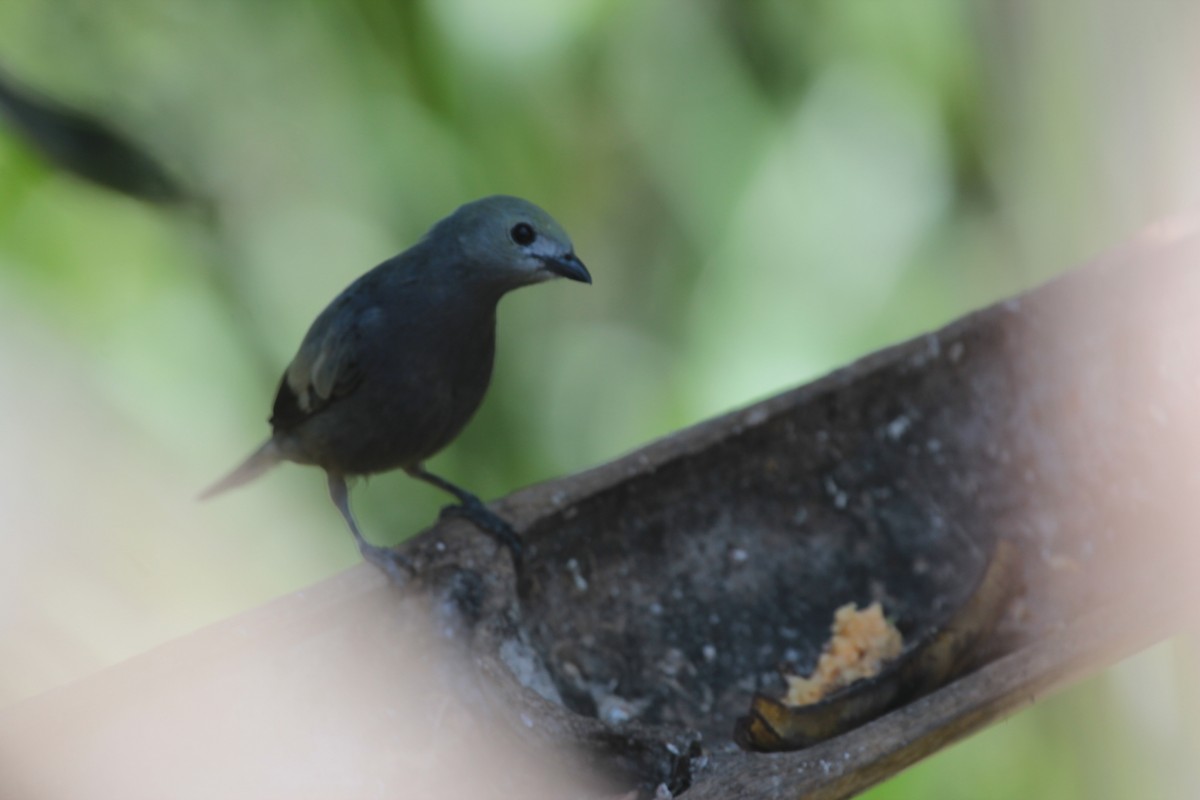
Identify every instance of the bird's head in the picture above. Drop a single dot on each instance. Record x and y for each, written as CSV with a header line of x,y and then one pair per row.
x,y
510,241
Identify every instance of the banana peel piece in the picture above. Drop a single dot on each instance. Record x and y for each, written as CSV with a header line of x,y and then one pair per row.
x,y
773,726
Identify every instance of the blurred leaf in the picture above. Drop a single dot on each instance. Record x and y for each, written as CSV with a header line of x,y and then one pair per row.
x,y
86,147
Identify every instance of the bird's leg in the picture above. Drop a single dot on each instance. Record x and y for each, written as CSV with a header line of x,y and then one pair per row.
x,y
472,509
394,565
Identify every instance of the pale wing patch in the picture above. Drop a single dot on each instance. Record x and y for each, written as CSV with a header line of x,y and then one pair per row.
x,y
326,368
328,358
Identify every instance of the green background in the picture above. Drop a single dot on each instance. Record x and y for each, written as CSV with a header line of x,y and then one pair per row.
x,y
763,190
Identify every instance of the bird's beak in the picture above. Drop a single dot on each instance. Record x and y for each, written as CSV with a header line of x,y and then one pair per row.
x,y
568,266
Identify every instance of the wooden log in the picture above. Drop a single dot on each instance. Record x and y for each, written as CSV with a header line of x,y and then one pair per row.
x,y
664,589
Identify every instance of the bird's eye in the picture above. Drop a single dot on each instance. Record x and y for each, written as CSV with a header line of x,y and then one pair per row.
x,y
523,233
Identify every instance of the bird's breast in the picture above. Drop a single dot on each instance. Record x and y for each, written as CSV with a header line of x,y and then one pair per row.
x,y
415,398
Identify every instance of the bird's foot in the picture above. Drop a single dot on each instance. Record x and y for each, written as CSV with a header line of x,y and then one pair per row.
x,y
398,568
490,523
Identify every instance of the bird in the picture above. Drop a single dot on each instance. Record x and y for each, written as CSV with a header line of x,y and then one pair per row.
x,y
391,371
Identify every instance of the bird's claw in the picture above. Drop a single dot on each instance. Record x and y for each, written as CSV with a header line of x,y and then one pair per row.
x,y
398,568
486,520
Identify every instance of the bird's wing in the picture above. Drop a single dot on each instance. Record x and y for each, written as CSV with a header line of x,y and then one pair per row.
x,y
328,364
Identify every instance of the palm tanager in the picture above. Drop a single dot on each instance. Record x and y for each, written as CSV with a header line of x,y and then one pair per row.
x,y
392,370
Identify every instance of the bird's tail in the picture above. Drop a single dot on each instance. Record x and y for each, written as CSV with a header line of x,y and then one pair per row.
x,y
259,462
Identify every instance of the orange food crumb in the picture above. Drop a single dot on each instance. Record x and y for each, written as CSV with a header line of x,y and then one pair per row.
x,y
862,642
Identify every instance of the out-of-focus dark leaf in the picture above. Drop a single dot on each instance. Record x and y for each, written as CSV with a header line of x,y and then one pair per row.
x,y
85,146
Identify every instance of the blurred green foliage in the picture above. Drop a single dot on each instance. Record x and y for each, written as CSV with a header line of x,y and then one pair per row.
x,y
764,190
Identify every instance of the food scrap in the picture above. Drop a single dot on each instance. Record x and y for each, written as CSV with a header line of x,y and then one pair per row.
x,y
862,642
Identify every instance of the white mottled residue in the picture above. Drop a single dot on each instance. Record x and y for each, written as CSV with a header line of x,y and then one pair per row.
x,y
898,427
580,582
756,416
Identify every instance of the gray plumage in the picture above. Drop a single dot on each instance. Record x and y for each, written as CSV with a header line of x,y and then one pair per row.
x,y
394,368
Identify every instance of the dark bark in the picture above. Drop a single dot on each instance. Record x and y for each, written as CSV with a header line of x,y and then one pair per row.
x,y
663,590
